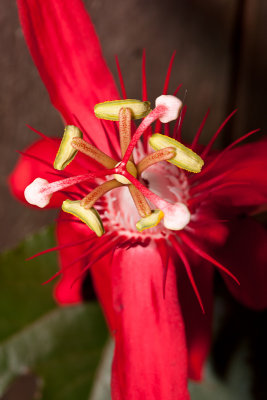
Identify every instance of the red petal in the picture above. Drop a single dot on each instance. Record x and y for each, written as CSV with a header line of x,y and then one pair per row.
x,y
67,53
150,360
245,252
197,325
246,165
38,162
65,292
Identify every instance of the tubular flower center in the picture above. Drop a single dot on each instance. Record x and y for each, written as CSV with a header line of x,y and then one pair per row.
x,y
138,178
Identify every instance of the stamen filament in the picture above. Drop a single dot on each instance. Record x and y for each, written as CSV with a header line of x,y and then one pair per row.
x,y
89,200
92,152
153,158
125,129
158,112
140,202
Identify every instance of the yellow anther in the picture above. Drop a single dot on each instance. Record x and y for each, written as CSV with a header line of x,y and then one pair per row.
x,y
150,221
89,216
131,169
185,158
110,109
66,152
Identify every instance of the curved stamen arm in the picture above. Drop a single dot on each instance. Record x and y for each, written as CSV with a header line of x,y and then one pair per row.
x,y
89,200
158,112
139,201
125,117
92,152
160,155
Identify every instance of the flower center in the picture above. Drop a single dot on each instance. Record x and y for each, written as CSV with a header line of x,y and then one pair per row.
x,y
168,184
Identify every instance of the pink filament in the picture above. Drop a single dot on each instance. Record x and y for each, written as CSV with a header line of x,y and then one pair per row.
x,y
166,85
188,270
123,91
199,131
64,183
144,86
216,134
222,153
206,256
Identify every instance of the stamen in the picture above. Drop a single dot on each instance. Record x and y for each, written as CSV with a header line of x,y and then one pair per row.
x,y
166,110
185,158
92,152
125,128
89,200
66,152
140,201
110,109
90,217
153,158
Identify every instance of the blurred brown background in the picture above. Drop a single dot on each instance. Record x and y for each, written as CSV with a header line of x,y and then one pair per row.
x,y
221,61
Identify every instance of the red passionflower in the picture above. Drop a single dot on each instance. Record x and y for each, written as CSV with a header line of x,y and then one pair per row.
x,y
160,339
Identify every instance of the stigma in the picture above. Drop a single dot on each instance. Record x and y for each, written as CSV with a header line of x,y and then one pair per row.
x,y
127,172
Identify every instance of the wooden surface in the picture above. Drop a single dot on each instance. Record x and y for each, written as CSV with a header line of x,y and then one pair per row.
x,y
208,63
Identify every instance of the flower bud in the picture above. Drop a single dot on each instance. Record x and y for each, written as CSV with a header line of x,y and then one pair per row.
x,y
150,221
110,109
89,216
185,158
66,152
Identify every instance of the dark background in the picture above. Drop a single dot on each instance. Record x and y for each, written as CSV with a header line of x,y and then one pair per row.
x,y
221,61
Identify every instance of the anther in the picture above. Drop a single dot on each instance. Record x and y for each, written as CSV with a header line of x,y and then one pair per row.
x,y
150,221
92,152
185,158
90,217
110,109
66,152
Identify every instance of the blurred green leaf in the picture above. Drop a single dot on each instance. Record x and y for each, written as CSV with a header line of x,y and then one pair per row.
x,y
60,345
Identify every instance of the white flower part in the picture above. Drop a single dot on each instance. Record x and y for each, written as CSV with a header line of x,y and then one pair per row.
x,y
176,217
34,195
173,104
